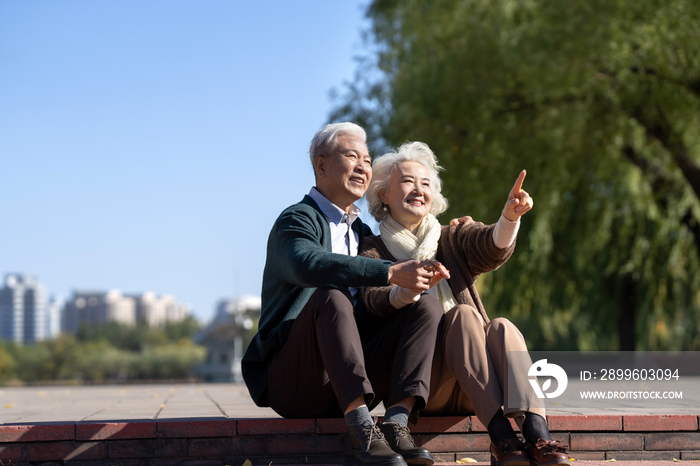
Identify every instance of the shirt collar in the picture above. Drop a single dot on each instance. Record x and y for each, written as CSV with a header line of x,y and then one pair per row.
x,y
334,213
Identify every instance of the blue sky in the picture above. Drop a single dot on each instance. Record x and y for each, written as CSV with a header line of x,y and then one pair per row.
x,y
149,146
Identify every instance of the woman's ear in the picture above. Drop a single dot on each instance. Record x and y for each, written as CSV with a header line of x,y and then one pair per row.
x,y
382,196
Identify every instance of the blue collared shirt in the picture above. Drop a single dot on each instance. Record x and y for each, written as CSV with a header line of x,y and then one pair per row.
x,y
340,224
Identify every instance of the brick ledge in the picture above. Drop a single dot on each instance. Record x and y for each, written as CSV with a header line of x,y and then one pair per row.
x,y
205,441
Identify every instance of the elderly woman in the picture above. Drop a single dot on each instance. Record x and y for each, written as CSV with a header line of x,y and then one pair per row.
x,y
470,367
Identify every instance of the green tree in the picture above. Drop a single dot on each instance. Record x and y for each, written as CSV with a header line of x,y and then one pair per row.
x,y
600,101
140,336
186,328
109,352
7,362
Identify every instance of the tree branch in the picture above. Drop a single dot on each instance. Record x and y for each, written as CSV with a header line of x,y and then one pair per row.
x,y
661,182
692,85
660,128
664,188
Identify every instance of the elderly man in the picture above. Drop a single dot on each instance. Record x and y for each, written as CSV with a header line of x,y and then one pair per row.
x,y
307,359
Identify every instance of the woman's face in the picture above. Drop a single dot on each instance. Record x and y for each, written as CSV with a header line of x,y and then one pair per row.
x,y
409,195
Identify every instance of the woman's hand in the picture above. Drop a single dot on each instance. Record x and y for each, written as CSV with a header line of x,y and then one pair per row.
x,y
519,201
439,272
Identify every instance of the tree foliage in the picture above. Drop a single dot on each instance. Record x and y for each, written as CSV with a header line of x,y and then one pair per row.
x,y
112,352
140,336
600,101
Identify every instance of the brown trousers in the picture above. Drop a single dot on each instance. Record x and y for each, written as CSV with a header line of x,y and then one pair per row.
x,y
323,365
470,369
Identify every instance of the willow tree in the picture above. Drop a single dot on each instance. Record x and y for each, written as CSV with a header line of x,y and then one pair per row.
x,y
600,102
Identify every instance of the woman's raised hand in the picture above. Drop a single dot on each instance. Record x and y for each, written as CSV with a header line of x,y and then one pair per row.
x,y
519,201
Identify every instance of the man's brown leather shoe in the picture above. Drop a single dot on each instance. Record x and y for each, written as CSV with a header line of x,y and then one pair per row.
x,y
548,452
368,446
399,439
509,452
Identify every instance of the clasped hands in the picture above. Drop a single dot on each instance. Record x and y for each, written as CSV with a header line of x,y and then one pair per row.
x,y
417,275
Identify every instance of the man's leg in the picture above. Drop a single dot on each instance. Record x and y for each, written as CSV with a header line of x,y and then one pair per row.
x,y
399,361
320,369
399,357
320,372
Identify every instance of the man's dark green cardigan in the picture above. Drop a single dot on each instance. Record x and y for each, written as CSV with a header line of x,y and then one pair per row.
x,y
299,260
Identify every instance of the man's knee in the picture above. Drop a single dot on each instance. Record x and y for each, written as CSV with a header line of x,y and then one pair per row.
x,y
429,305
332,300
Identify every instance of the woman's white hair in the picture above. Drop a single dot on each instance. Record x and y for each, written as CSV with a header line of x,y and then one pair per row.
x,y
383,170
325,141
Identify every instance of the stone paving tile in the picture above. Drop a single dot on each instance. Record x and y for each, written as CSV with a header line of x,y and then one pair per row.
x,y
114,402
120,416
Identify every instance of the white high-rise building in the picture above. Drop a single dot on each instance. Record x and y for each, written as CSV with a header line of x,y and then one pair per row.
x,y
97,307
54,315
22,309
157,310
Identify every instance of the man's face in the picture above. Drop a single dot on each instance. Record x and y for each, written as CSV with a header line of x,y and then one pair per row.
x,y
344,175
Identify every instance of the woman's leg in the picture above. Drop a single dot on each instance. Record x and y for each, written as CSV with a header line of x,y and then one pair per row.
x,y
502,337
467,357
468,379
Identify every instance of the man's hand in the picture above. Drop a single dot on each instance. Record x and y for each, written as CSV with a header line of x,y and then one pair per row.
x,y
419,276
519,201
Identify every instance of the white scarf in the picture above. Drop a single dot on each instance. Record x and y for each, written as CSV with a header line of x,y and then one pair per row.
x,y
403,245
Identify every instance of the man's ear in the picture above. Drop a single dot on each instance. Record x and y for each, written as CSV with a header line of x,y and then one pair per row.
x,y
319,167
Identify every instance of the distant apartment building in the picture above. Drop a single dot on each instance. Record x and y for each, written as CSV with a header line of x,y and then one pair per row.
x,y
22,309
93,308
54,316
157,310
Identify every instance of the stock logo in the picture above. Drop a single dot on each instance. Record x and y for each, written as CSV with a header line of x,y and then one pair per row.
x,y
543,369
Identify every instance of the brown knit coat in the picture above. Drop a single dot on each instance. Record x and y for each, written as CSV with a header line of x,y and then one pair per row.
x,y
467,250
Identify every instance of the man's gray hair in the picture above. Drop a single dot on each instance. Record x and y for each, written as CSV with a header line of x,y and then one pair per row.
x,y
326,140
383,170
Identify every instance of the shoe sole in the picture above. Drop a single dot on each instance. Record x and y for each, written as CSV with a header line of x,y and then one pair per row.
x,y
512,463
351,461
562,461
420,460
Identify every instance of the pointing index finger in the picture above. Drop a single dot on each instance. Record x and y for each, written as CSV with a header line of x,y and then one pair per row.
x,y
519,183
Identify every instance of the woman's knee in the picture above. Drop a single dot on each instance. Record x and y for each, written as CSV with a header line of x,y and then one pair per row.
x,y
502,328
500,325
467,315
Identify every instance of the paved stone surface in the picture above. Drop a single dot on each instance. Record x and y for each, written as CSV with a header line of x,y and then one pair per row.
x,y
176,401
